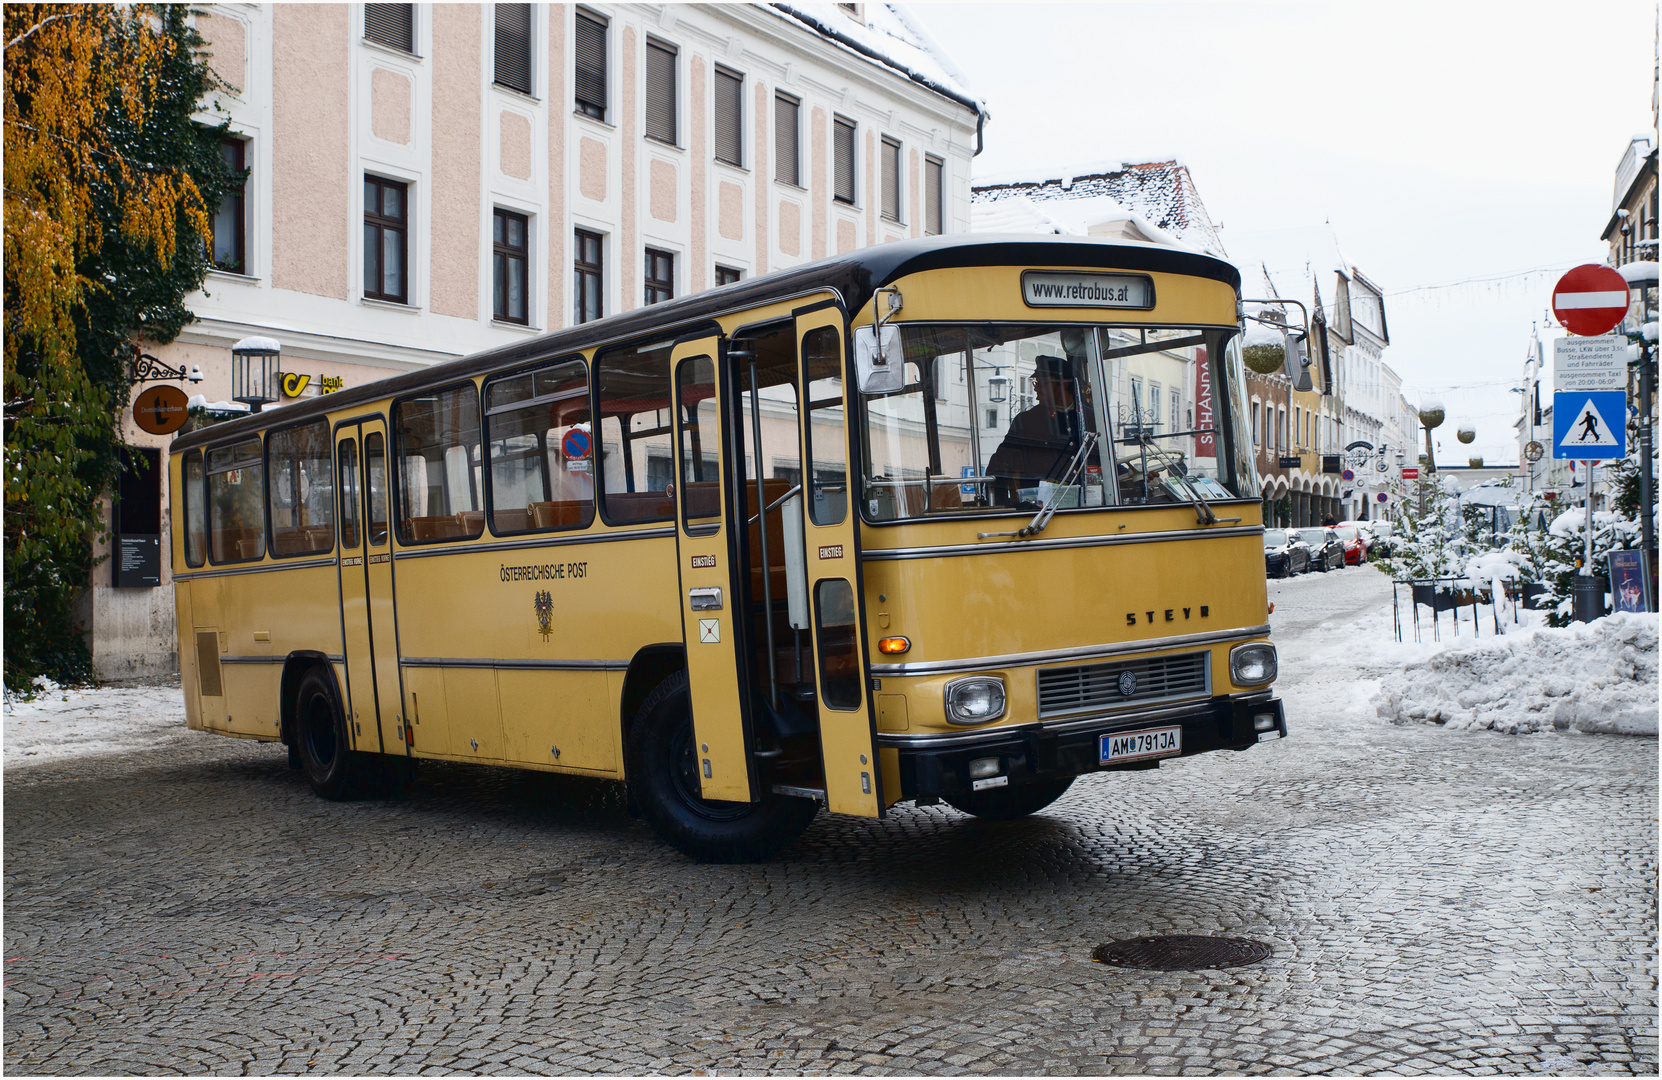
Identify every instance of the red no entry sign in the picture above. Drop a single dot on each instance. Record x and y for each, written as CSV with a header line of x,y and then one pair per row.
x,y
1590,300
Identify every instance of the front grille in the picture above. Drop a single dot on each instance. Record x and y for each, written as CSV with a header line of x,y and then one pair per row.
x,y
1098,686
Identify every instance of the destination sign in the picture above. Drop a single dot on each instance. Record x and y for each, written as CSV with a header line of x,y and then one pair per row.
x,y
1047,288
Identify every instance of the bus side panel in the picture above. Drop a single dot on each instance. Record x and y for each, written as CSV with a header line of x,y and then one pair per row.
x,y
557,718
205,639
429,734
189,680
256,609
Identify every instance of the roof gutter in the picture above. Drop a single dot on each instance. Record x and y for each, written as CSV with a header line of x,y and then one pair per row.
x,y
872,54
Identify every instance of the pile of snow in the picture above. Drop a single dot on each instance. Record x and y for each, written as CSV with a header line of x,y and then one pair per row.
x,y
59,722
1591,677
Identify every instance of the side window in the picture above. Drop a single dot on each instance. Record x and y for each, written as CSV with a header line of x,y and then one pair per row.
x,y
822,362
375,464
236,503
302,490
349,494
541,448
437,445
196,519
229,222
700,476
636,459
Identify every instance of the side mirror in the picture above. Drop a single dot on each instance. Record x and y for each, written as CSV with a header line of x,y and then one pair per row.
x,y
878,360
1297,365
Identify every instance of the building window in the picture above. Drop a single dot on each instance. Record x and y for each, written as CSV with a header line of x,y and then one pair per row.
x,y
392,25
588,273
933,173
729,117
229,224
891,180
1176,411
787,166
386,243
510,263
513,46
660,276
660,92
842,161
728,275
590,81
1255,439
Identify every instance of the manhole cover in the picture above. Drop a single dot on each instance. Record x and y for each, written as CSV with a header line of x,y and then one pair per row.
x,y
1181,952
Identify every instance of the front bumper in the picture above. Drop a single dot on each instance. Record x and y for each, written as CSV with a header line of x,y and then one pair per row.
x,y
938,765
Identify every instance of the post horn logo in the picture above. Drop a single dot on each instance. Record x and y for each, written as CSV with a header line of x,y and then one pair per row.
x,y
543,603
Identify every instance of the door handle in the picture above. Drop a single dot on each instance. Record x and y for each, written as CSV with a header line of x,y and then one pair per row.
x,y
705,598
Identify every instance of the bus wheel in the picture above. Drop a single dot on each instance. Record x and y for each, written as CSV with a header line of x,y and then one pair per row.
x,y
325,753
663,779
1009,803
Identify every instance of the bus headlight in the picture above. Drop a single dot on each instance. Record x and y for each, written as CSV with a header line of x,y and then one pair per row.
x,y
1252,663
975,700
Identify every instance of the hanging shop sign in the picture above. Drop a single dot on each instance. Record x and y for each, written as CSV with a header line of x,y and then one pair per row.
x,y
160,410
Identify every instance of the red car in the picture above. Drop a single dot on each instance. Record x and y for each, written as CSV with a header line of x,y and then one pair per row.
x,y
1356,544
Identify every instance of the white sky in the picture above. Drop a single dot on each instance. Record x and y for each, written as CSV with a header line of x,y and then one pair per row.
x,y
1444,142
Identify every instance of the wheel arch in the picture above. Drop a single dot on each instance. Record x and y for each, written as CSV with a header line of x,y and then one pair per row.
x,y
295,667
651,665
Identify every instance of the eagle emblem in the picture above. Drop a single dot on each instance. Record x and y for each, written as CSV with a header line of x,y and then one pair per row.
x,y
543,603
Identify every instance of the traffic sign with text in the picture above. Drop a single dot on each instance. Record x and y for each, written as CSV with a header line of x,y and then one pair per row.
x,y
1589,363
1589,425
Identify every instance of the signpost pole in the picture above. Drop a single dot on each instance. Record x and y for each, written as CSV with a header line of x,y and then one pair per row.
x,y
1647,483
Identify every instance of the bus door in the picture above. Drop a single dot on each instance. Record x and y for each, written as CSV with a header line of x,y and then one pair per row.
x,y
830,534
712,614
373,692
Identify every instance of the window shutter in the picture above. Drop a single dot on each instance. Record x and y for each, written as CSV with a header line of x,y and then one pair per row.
x,y
591,65
729,117
660,92
391,24
891,180
842,159
932,197
786,166
513,46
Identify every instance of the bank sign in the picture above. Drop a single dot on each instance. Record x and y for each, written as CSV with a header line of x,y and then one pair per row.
x,y
1046,288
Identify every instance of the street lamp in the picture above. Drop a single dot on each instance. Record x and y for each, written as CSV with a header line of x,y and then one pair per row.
x,y
998,387
254,371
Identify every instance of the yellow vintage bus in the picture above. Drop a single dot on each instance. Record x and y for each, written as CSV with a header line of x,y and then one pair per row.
x,y
953,519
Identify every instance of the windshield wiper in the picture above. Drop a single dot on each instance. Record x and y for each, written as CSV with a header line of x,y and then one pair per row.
x,y
1048,510
1203,512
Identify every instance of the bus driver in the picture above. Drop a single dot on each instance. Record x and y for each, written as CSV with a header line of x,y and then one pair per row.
x,y
1042,439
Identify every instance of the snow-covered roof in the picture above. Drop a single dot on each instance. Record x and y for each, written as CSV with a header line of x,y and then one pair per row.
x,y
1162,192
1098,215
892,35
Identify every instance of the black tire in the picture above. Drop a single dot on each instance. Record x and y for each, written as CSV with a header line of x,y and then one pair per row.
x,y
1010,803
663,779
333,769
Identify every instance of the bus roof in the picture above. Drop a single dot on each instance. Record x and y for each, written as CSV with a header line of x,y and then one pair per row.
x,y
855,276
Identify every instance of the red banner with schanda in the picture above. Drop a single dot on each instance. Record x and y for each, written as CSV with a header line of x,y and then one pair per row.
x,y
1206,443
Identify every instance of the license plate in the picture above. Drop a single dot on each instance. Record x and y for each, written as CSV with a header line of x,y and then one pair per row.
x,y
1131,745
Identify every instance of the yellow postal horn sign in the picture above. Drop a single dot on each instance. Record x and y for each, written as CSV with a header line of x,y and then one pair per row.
x,y
295,385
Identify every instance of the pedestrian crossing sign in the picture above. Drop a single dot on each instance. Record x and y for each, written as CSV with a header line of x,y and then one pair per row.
x,y
1589,425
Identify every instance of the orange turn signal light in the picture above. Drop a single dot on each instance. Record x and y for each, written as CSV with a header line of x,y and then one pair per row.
x,y
892,645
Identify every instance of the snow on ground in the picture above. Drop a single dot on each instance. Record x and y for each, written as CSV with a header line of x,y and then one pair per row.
x,y
65,723
1594,677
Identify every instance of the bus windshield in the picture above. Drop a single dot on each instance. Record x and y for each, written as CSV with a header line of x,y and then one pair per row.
x,y
992,416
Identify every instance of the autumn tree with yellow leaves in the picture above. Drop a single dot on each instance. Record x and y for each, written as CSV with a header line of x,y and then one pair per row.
x,y
109,190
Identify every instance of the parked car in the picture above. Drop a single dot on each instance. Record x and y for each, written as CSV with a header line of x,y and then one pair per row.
x,y
1377,536
1355,539
1381,547
1327,551
1284,554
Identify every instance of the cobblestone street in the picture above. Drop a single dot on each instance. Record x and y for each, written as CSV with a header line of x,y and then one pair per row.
x,y
1459,902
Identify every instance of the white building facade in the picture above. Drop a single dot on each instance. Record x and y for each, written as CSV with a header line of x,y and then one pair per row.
x,y
426,181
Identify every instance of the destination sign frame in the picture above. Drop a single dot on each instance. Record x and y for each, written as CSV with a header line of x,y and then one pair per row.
x,y
1069,288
